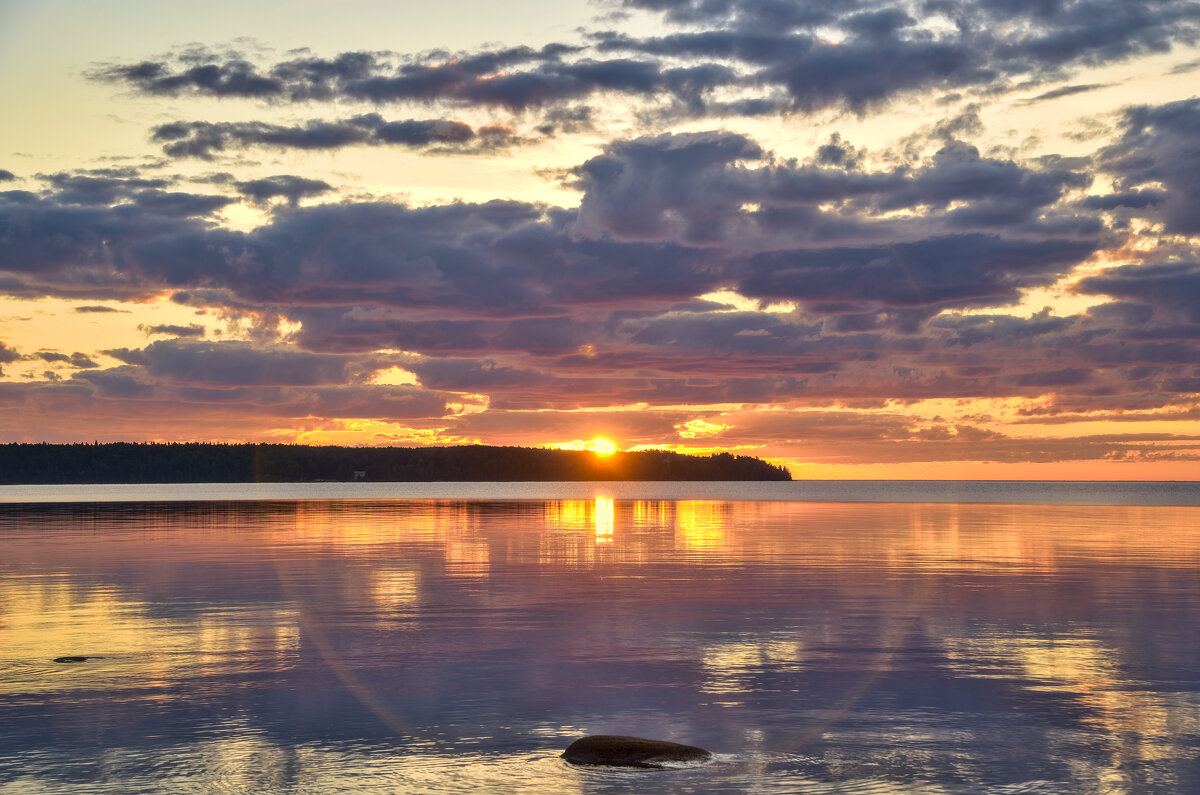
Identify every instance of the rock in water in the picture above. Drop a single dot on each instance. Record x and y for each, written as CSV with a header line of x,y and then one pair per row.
x,y
618,751
71,658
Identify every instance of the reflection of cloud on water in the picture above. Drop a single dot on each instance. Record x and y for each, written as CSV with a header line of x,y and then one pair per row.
x,y
395,588
1143,725
143,645
466,555
728,665
894,638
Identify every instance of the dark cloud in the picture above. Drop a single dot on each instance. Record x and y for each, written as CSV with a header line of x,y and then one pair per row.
x,y
120,383
1065,91
355,328
477,375
541,308
125,401
190,330
179,204
960,270
742,333
516,78
884,53
1159,151
1173,288
722,57
232,78
96,309
1006,330
708,188
639,188
205,140
1134,199
282,186
567,119
6,175
235,363
8,355
99,252
1185,67
104,187
764,15
78,360
73,188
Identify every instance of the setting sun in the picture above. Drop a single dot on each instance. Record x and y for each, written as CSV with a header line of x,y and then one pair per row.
x,y
602,446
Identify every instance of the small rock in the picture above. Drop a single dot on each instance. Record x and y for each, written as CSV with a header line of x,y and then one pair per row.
x,y
72,658
618,751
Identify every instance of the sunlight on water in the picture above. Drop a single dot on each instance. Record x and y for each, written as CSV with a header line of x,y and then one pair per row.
x,y
460,645
605,520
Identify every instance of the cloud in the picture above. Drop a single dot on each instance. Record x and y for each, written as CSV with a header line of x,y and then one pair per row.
x,y
721,187
75,188
179,204
960,270
715,59
205,140
203,379
6,175
96,309
104,187
233,363
1171,288
8,355
1134,199
233,78
633,190
190,330
1158,151
1185,67
1065,91
882,53
517,78
78,360
282,186
853,275
123,403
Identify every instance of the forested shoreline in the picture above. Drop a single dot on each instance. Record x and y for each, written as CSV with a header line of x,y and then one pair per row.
x,y
197,462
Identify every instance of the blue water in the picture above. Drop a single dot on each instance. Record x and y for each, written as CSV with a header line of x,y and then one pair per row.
x,y
284,641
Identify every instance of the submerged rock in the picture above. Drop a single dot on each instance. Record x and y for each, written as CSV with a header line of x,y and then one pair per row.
x,y
618,751
73,658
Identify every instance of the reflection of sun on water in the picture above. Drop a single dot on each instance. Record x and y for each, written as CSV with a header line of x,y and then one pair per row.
x,y
701,524
568,514
597,516
605,519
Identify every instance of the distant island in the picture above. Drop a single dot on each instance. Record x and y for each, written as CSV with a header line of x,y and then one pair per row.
x,y
196,462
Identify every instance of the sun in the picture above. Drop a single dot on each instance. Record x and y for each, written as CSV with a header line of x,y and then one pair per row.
x,y
602,446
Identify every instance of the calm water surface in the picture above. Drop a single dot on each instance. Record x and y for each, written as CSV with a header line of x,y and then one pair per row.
x,y
454,645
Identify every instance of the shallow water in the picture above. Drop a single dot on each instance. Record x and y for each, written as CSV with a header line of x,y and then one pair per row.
x,y
442,645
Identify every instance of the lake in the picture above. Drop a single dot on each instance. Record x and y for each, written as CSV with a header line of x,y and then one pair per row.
x,y
433,638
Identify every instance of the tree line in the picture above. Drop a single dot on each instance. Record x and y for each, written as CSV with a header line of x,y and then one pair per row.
x,y
199,462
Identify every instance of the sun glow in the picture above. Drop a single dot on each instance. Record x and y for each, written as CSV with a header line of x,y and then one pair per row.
x,y
602,446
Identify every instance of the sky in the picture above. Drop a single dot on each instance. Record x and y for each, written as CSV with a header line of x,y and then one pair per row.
x,y
862,239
